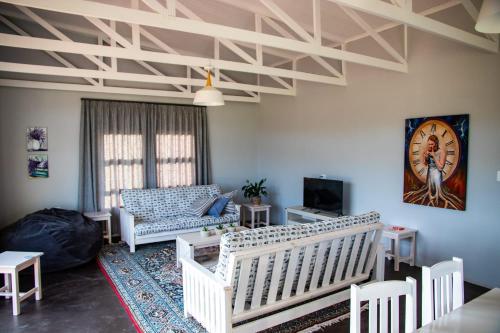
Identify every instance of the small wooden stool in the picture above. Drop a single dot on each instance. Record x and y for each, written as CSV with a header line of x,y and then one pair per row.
x,y
255,211
106,218
11,263
396,236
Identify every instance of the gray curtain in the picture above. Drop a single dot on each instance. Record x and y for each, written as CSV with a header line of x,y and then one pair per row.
x,y
139,145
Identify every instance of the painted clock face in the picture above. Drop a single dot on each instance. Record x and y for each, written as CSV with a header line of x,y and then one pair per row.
x,y
448,144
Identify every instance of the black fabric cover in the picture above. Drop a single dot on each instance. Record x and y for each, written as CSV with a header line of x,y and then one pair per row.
x,y
66,238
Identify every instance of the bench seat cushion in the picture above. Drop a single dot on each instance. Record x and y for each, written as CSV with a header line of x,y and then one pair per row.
x,y
183,222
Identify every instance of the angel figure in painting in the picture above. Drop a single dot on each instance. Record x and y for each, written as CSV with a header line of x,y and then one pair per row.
x,y
434,158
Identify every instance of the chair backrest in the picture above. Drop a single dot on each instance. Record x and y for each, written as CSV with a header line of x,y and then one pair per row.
x,y
382,293
442,289
270,277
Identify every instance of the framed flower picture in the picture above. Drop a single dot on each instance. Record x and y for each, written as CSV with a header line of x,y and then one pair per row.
x,y
37,139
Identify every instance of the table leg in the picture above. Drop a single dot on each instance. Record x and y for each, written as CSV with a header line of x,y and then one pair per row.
x,y
268,222
253,219
38,279
413,250
16,304
110,234
8,284
396,254
177,252
244,216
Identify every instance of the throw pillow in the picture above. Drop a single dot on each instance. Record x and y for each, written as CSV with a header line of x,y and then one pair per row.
x,y
231,206
200,206
218,206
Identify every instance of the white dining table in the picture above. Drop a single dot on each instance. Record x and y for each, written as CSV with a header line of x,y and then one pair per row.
x,y
481,315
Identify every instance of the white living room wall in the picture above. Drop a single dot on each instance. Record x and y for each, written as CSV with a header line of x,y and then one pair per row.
x,y
356,134
232,134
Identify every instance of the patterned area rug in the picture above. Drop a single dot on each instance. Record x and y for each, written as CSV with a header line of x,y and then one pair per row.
x,y
149,286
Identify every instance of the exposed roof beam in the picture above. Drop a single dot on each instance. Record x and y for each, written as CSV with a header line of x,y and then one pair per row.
x,y
160,57
322,62
110,12
375,35
420,22
114,90
227,43
54,55
28,12
251,7
284,17
157,42
474,14
132,77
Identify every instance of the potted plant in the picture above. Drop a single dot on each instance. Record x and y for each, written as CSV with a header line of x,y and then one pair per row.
x,y
231,227
204,232
254,191
219,229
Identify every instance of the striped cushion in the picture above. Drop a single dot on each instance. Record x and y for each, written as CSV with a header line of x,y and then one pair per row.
x,y
200,206
231,206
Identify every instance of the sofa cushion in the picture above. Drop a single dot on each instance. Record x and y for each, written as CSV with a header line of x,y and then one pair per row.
x,y
150,205
200,206
183,222
234,242
218,206
231,206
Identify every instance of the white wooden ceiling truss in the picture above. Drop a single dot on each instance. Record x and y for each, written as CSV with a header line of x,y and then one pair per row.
x,y
259,58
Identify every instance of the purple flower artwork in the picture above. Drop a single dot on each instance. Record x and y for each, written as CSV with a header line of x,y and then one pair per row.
x,y
37,139
38,166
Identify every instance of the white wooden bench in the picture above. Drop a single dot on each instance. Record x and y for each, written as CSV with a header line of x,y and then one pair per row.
x,y
318,274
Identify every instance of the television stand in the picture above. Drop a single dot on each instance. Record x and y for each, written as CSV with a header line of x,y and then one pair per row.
x,y
301,215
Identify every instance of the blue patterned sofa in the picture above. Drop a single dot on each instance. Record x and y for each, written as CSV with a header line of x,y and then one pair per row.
x,y
268,276
155,215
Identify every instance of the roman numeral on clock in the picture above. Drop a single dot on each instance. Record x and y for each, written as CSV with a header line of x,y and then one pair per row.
x,y
450,152
415,152
421,171
444,133
416,162
450,143
448,162
422,134
433,128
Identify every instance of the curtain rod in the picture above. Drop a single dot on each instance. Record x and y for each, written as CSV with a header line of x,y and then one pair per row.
x,y
118,100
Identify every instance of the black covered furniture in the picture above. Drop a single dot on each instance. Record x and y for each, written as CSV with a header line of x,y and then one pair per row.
x,y
66,238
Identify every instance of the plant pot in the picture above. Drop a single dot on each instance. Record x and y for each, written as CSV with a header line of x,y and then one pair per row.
x,y
256,201
204,233
231,229
220,232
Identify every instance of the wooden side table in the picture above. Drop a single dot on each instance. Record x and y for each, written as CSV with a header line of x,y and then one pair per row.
x,y
11,263
255,211
396,236
105,217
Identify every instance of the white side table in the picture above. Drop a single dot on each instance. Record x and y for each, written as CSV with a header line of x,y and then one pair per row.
x,y
255,211
11,263
105,217
396,236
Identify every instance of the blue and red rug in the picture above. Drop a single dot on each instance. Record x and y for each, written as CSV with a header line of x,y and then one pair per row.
x,y
149,286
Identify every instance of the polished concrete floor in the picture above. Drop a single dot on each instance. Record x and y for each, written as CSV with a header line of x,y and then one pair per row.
x,y
81,300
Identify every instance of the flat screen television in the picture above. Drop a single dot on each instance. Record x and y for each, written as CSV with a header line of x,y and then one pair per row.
x,y
323,194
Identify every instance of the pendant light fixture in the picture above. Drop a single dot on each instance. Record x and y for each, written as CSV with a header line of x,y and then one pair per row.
x,y
489,17
208,96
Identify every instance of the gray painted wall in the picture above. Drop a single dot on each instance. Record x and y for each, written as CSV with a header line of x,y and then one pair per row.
x,y
356,134
232,131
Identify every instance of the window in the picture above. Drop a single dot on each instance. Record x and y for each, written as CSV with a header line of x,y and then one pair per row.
x,y
123,165
175,160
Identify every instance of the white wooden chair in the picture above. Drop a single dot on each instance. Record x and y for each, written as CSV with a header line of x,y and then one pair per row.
x,y
442,289
382,292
